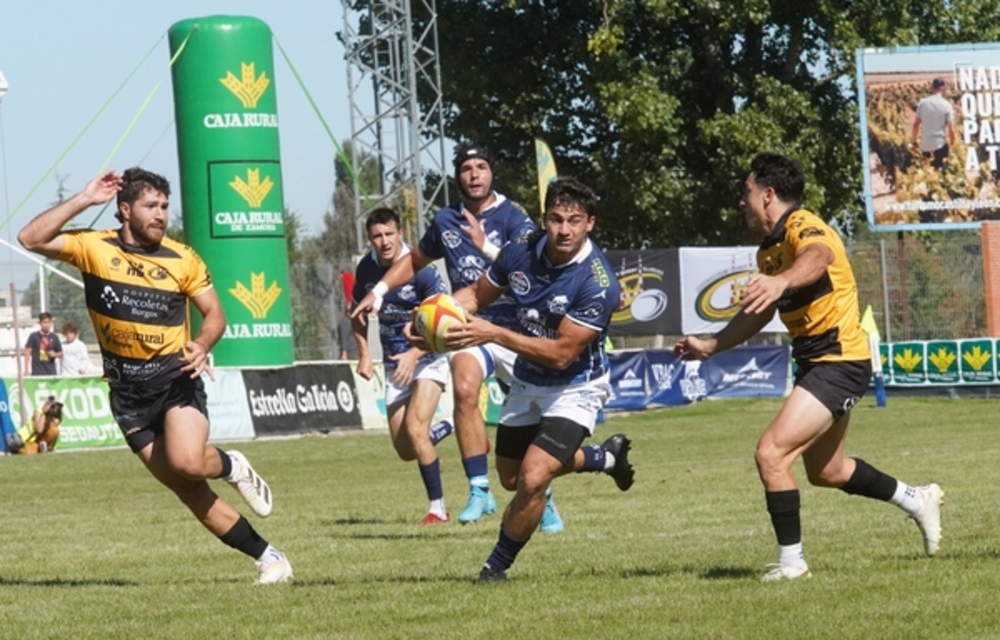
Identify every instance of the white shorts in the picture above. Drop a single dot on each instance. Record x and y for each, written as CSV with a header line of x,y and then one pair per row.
x,y
527,404
436,370
493,360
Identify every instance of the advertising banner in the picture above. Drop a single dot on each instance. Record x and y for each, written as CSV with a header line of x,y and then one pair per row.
x,y
231,189
648,303
712,282
87,420
228,410
674,381
930,135
7,428
942,362
747,372
301,398
629,381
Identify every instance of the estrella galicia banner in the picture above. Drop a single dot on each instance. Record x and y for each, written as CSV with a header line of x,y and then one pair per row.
x,y
305,397
629,381
648,302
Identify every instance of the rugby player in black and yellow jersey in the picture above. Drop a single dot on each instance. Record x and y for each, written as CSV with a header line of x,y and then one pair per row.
x,y
138,283
804,274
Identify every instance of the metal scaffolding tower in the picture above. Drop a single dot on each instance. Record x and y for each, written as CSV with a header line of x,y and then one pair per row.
x,y
392,64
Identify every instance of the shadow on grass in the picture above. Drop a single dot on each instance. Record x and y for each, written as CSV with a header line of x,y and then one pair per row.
x,y
426,579
728,573
343,521
711,573
64,582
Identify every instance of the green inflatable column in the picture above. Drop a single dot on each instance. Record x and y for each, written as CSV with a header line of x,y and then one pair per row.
x,y
227,143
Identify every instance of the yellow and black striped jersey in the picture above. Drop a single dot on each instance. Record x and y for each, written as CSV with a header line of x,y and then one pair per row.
x,y
137,300
823,318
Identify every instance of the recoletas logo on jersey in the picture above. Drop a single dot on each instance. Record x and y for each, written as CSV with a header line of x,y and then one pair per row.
x,y
258,299
249,87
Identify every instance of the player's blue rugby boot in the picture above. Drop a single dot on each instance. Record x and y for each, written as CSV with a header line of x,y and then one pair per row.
x,y
551,522
481,503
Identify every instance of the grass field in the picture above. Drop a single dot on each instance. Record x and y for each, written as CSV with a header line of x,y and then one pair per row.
x,y
94,548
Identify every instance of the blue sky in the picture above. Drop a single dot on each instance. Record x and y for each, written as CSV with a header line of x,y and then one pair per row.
x,y
64,59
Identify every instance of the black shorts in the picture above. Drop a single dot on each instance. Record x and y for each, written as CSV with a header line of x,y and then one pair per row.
x,y
558,437
141,417
838,385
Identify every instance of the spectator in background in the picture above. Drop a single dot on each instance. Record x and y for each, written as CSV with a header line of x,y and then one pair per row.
x,y
75,357
934,127
345,337
44,430
42,349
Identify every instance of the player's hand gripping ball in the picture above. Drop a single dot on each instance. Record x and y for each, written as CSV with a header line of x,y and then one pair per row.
x,y
434,316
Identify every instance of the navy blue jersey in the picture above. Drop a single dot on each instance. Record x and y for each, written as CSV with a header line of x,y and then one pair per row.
x,y
584,290
397,305
503,222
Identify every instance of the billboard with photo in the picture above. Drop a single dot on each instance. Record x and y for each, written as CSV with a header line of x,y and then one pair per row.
x,y
930,135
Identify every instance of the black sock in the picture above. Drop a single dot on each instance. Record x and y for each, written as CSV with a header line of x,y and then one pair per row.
x,y
242,537
784,509
227,463
869,482
505,552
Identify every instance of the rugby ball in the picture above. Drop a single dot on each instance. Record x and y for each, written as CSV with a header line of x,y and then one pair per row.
x,y
434,316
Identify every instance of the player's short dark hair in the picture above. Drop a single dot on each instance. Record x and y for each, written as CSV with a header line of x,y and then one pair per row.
x,y
468,150
45,315
382,215
781,173
570,192
137,180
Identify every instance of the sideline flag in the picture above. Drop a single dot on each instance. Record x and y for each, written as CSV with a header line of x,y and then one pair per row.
x,y
546,170
868,324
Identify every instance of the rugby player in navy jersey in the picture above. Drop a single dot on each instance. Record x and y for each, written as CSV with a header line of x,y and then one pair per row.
x,y
414,377
565,291
153,366
468,235
806,277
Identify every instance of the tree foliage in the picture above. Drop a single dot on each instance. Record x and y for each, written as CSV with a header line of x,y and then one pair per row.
x,y
660,105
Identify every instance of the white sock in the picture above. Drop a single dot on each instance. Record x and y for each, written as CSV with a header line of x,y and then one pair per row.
x,y
270,555
907,497
609,461
437,508
791,555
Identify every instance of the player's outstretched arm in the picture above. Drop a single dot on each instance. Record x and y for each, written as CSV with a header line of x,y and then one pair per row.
x,y
44,233
743,326
401,272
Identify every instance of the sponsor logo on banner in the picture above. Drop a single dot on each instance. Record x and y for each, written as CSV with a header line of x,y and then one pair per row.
x,y
693,386
248,89
749,375
245,199
640,296
720,299
258,299
302,398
